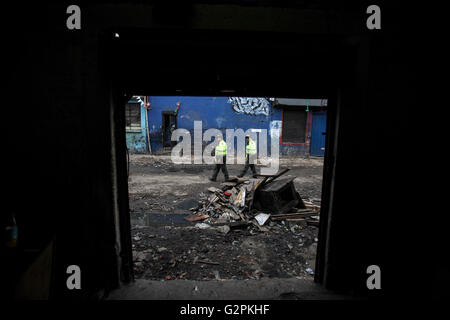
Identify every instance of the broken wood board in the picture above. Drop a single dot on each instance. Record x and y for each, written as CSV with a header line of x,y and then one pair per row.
x,y
241,216
302,210
213,199
299,214
237,179
273,177
234,193
207,262
287,218
240,199
228,184
294,219
305,214
312,207
261,228
197,218
284,217
238,224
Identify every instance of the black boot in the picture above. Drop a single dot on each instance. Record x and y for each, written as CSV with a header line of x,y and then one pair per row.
x,y
254,171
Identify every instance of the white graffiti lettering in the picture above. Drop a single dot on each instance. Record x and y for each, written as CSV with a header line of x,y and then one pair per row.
x,y
251,106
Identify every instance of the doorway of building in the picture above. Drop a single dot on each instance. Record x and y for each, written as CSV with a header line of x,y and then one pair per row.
x,y
318,132
314,87
169,124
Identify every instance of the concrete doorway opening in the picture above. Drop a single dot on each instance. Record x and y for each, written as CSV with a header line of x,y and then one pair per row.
x,y
316,88
185,227
169,124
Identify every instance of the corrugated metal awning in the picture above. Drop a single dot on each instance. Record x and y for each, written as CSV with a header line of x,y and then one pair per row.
x,y
301,102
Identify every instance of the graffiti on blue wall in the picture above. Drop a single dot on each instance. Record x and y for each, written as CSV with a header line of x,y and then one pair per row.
x,y
251,106
214,112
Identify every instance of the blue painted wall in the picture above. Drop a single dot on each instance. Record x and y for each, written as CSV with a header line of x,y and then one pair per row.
x,y
214,112
136,142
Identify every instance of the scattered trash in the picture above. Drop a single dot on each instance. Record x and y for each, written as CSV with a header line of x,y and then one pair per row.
x,y
234,246
238,206
139,256
224,229
310,271
240,200
262,218
202,226
261,199
221,253
258,274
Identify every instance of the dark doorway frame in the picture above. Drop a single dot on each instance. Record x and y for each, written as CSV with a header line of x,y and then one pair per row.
x,y
166,142
205,85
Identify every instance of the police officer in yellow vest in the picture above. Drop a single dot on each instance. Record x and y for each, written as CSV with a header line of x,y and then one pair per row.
x,y
250,154
220,159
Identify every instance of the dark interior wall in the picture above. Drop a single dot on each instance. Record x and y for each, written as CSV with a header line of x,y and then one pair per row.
x,y
381,184
359,235
59,174
59,161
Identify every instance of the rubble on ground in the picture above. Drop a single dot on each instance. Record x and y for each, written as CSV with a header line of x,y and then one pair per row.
x,y
232,234
256,203
175,253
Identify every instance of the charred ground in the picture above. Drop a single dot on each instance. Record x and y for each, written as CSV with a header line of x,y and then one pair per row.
x,y
168,247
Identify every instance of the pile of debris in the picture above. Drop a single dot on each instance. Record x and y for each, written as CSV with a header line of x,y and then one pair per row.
x,y
242,203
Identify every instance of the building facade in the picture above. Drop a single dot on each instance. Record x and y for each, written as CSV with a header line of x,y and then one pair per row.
x,y
298,124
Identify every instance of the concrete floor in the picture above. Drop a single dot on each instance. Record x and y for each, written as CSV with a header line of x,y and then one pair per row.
x,y
263,289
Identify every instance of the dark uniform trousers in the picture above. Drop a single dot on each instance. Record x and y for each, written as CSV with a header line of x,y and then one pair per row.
x,y
247,165
222,166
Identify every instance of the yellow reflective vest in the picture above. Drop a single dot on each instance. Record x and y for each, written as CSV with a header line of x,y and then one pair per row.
x,y
221,149
250,148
